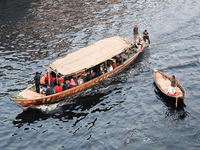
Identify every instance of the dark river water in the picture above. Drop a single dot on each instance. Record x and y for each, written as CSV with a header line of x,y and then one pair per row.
x,y
124,112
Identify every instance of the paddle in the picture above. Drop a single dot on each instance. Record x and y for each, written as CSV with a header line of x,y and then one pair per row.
x,y
176,94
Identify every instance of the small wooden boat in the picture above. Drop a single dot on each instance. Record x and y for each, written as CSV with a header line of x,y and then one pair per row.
x,y
163,82
77,62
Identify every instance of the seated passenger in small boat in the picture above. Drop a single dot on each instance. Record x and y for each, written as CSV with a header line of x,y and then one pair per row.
x,y
65,86
80,80
49,90
109,67
72,84
172,88
59,88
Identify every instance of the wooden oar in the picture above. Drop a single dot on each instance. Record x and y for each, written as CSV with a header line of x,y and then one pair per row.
x,y
176,93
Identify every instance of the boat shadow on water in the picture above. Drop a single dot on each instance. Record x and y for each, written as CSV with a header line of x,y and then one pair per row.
x,y
176,114
76,108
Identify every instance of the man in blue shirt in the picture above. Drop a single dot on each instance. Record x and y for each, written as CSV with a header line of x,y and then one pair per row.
x,y
49,90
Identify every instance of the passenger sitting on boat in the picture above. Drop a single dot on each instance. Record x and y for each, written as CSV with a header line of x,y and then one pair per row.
x,y
93,74
97,70
140,42
52,84
109,67
118,60
114,65
47,77
49,90
172,88
60,80
84,75
43,90
65,86
80,80
37,82
59,88
72,84
89,75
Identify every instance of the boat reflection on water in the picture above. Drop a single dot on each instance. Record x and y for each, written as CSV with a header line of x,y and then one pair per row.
x,y
77,108
176,114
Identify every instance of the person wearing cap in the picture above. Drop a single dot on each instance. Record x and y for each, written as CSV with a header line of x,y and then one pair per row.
x,y
172,88
135,33
37,82
146,36
114,65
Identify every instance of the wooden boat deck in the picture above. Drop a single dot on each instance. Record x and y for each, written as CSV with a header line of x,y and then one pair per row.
x,y
30,94
165,82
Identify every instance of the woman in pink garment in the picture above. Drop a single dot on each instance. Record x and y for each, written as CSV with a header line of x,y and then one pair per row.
x,y
72,84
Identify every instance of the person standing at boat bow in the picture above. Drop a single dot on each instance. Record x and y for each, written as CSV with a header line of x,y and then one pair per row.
x,y
146,37
172,88
135,33
37,82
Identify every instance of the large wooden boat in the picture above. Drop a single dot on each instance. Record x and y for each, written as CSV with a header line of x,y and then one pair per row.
x,y
78,61
163,82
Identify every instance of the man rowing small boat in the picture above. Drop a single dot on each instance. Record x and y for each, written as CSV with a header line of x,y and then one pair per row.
x,y
172,87
169,86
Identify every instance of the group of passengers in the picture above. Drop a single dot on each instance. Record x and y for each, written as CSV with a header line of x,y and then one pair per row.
x,y
52,83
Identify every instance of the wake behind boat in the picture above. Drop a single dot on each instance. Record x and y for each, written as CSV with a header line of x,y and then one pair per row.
x,y
163,83
78,63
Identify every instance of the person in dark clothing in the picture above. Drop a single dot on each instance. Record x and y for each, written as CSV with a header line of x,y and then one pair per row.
x,y
84,77
89,75
65,86
37,82
49,90
135,33
146,37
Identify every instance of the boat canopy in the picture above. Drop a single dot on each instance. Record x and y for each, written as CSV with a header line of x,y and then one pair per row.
x,y
90,56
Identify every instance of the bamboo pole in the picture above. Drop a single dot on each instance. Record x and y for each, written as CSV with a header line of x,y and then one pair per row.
x,y
176,93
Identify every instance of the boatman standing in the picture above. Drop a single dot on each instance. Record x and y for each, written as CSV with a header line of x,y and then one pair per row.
x,y
135,33
146,37
37,82
172,88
